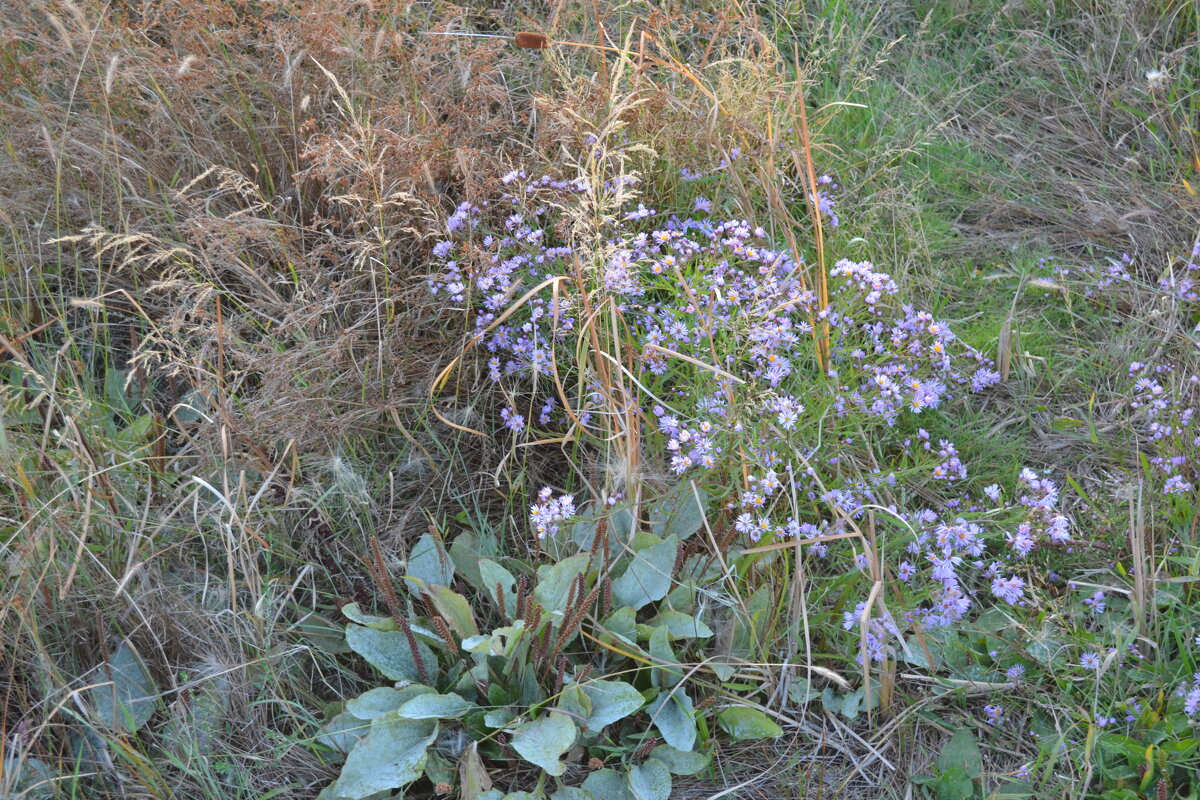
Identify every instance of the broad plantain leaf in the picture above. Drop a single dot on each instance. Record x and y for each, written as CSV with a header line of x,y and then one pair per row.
x,y
343,732
650,780
961,750
499,583
124,696
383,699
679,762
554,582
29,778
648,576
389,652
611,701
667,672
954,784
455,608
678,513
682,626
573,793
607,784
573,701
672,713
622,623
543,740
435,706
392,755
429,562
354,613
742,722
466,553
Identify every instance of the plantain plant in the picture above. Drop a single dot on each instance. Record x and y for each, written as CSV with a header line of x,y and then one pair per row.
x,y
586,677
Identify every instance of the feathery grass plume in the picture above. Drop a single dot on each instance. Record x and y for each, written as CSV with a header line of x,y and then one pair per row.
x,y
406,629
531,41
500,600
523,597
534,619
377,568
505,747
573,618
443,630
542,646
561,674
607,604
644,749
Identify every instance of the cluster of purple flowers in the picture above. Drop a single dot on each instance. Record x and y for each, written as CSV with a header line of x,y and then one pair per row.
x,y
825,201
1167,401
738,292
1163,397
879,632
549,511
723,330
1191,696
948,553
1096,603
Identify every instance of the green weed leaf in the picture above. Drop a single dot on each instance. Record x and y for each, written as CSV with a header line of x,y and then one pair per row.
x,y
622,623
343,732
648,576
429,562
961,751
650,781
573,793
354,613
954,784
682,626
384,699
666,674
680,762
554,582
672,714
678,513
496,578
29,778
455,608
743,722
435,706
611,701
574,701
544,739
389,652
125,696
393,754
607,784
